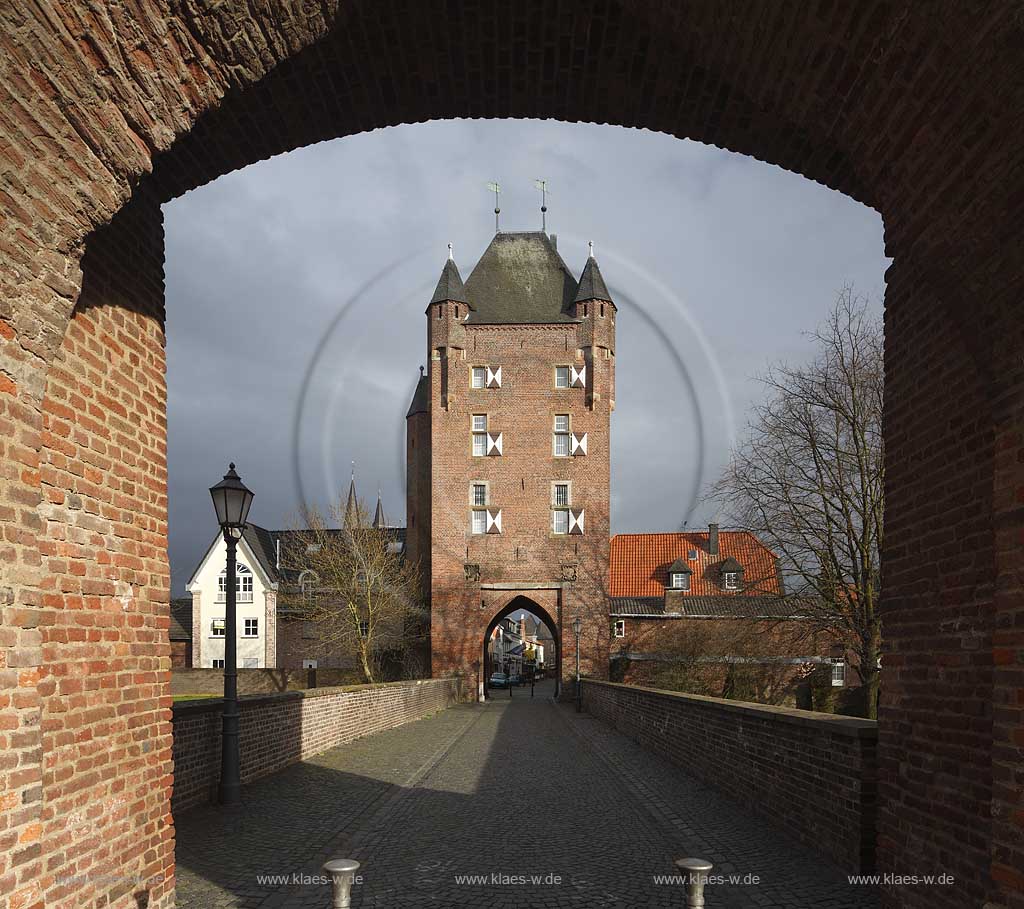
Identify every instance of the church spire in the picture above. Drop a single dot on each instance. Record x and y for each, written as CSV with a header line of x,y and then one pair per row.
x,y
592,286
352,506
379,519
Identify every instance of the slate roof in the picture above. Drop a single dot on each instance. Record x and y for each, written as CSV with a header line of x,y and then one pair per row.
x,y
708,607
450,286
419,397
521,278
181,619
639,563
592,286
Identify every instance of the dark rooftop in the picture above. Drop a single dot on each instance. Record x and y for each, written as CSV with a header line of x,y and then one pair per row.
x,y
521,278
708,607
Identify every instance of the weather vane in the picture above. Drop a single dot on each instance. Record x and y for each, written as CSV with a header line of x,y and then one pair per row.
x,y
495,188
542,185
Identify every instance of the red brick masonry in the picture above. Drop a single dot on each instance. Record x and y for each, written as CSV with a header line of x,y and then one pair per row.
x,y
813,773
282,729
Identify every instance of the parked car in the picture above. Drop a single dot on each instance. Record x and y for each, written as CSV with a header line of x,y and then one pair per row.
x,y
516,679
498,680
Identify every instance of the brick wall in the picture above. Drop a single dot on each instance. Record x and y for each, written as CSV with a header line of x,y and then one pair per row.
x,y
913,109
281,729
259,681
813,773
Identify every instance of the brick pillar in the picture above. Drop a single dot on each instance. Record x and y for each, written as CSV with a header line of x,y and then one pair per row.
x,y
105,680
270,629
37,291
197,630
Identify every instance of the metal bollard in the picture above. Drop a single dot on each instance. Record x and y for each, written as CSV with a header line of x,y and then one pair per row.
x,y
342,872
696,871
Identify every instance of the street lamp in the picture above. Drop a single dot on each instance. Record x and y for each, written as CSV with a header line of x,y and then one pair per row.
x,y
577,626
231,500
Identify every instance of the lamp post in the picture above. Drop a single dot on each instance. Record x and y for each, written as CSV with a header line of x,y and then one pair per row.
x,y
231,500
577,626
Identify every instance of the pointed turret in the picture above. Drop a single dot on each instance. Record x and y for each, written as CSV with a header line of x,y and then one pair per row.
x,y
450,286
379,520
592,286
352,506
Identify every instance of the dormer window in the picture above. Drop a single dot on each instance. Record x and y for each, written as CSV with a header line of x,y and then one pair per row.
x,y
730,574
679,580
678,576
692,555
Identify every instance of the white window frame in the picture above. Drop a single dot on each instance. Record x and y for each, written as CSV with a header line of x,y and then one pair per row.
x,y
478,515
475,373
558,371
838,678
255,624
478,428
243,585
556,514
731,580
218,628
619,628
682,577
561,435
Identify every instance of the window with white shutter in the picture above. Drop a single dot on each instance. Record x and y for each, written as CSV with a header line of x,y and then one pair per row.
x,y
494,520
561,437
575,521
493,377
578,376
494,441
578,446
560,520
478,377
561,377
479,524
479,424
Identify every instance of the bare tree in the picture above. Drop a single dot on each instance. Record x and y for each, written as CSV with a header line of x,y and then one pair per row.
x,y
353,585
807,479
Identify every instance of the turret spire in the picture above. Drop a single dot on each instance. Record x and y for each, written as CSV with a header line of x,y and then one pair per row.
x,y
592,286
352,506
379,519
449,285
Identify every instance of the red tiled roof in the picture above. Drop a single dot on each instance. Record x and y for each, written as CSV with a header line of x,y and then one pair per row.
x,y
639,563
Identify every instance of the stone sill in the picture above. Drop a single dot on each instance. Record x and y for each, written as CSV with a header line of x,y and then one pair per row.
x,y
849,726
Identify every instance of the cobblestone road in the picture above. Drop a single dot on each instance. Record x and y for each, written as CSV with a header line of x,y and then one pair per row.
x,y
551,809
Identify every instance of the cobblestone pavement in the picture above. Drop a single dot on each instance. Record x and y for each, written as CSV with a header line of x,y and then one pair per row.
x,y
552,809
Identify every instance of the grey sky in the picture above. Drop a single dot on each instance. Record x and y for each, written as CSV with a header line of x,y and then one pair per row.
x,y
718,263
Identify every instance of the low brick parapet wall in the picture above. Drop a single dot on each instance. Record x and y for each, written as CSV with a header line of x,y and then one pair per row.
x,y
813,773
281,729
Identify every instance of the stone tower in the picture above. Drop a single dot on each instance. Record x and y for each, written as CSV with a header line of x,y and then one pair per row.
x,y
508,453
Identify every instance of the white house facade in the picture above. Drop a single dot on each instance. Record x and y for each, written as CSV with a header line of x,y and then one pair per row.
x,y
256,607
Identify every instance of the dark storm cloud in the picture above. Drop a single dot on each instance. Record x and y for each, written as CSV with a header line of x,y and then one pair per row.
x,y
730,259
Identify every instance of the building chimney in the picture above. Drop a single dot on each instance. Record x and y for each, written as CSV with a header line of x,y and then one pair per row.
x,y
554,241
713,539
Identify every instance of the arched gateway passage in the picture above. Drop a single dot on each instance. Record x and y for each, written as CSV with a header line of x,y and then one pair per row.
x,y
516,606
106,113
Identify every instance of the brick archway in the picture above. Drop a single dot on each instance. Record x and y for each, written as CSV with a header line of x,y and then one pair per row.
x,y
912,110
525,603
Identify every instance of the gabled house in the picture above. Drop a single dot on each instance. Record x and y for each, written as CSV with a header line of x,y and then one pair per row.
x,y
268,635
715,600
